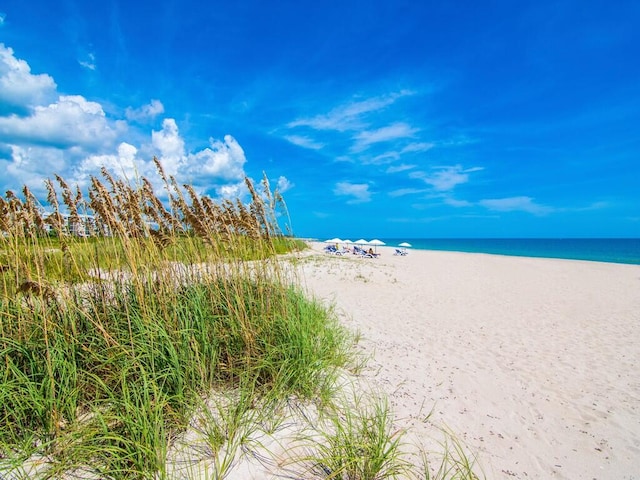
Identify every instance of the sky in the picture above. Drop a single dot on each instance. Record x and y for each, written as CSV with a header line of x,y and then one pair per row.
x,y
373,118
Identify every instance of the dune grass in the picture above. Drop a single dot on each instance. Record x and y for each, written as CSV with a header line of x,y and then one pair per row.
x,y
109,342
164,315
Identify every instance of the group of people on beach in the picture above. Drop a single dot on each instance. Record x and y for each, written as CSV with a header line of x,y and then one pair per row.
x,y
356,250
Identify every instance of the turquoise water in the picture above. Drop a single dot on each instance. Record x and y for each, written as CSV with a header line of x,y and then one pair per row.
x,y
612,250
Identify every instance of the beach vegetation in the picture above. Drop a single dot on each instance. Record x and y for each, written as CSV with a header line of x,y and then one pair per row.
x,y
111,340
158,334
451,461
360,442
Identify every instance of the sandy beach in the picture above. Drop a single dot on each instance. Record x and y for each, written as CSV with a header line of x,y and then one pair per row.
x,y
532,363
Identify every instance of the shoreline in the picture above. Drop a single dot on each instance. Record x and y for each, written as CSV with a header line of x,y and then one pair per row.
x,y
531,362
620,251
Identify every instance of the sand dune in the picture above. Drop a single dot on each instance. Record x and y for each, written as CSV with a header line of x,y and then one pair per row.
x,y
533,363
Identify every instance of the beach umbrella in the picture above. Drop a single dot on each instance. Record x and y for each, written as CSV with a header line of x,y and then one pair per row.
x,y
404,246
333,240
375,242
348,242
361,242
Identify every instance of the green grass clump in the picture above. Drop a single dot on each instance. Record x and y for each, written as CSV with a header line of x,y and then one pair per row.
x,y
130,367
360,443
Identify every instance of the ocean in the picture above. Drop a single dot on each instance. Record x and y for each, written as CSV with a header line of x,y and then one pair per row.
x,y
612,250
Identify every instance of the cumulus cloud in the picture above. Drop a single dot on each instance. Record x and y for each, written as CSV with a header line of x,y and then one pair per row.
x,y
169,145
512,204
24,166
359,192
445,178
123,163
222,160
145,112
283,184
43,133
19,88
71,121
235,190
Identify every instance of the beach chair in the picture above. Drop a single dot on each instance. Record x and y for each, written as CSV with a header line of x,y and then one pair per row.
x,y
400,252
363,253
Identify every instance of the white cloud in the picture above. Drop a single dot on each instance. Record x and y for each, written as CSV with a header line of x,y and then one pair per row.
x,y
417,147
391,132
358,191
19,88
145,112
349,116
170,146
304,141
387,157
234,190
283,184
3,16
400,168
457,203
223,160
124,164
44,133
401,192
446,178
89,63
26,164
72,120
511,204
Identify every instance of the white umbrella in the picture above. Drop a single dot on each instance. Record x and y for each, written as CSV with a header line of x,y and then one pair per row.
x,y
362,241
333,240
375,242
404,246
348,242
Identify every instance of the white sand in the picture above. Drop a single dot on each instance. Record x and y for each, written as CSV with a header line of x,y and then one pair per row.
x,y
533,363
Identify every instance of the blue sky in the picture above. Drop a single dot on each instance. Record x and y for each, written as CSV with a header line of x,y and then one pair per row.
x,y
373,118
